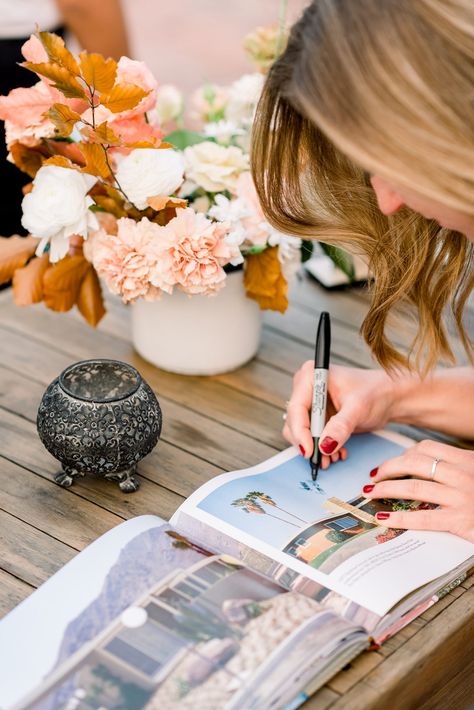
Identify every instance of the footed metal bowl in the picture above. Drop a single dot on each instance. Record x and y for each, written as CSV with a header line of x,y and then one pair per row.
x,y
99,417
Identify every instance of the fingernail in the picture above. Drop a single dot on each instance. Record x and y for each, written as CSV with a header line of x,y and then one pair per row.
x,y
382,516
303,452
328,445
373,473
367,489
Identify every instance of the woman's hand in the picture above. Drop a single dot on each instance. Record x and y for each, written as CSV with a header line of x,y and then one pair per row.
x,y
451,488
359,400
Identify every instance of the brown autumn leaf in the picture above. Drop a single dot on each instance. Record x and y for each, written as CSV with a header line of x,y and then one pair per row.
x,y
102,135
95,157
264,280
28,281
123,97
57,52
154,143
61,162
62,282
67,150
160,202
62,79
98,72
110,205
89,301
64,118
29,160
14,253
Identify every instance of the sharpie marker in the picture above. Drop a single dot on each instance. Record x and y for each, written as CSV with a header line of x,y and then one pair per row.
x,y
320,388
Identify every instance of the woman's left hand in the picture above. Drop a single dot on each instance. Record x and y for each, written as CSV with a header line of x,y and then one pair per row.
x,y
451,488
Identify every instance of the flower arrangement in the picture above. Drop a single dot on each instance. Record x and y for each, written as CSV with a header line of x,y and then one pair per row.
x,y
122,193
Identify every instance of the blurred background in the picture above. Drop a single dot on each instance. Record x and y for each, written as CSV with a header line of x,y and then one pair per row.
x,y
187,42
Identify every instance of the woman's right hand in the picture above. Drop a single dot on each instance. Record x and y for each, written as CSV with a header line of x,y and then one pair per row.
x,y
359,400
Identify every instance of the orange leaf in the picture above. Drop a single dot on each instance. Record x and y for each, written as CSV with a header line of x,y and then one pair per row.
x,y
89,301
61,162
102,134
62,79
96,163
64,118
264,281
62,282
27,159
67,150
14,253
57,52
110,205
123,97
160,202
145,144
98,72
28,281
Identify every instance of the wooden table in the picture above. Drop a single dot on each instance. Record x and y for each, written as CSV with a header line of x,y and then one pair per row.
x,y
210,425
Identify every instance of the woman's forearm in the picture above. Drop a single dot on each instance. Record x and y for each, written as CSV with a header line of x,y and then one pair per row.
x,y
98,25
443,401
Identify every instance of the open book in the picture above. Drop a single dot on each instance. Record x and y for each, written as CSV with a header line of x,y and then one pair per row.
x,y
260,589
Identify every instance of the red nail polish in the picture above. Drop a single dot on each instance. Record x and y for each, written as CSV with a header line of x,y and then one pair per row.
x,y
303,452
382,516
367,489
373,473
328,445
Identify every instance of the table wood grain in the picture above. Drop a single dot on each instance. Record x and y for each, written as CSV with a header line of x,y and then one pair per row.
x,y
211,425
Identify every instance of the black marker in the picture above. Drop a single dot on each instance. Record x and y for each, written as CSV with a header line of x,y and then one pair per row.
x,y
320,388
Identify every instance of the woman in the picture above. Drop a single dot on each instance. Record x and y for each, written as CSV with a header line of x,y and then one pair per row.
x,y
364,137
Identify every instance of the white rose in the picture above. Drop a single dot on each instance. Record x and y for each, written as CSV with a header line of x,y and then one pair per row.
x,y
149,172
58,207
215,167
243,98
169,103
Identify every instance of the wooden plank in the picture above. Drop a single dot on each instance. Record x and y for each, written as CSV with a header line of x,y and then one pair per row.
x,y
195,433
12,592
422,666
354,671
222,404
300,325
402,636
457,694
21,396
20,444
28,553
324,698
50,508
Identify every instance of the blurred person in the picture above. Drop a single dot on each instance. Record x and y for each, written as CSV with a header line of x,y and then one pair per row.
x,y
98,26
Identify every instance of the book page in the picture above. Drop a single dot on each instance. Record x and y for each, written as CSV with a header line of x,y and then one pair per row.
x,y
326,530
145,617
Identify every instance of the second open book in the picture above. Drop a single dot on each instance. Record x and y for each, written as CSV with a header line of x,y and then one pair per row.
x,y
262,587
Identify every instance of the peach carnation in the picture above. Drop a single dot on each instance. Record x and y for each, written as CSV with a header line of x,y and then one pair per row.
x,y
193,252
127,259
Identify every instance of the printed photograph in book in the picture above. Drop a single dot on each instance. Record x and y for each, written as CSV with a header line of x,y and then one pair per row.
x,y
321,523
175,626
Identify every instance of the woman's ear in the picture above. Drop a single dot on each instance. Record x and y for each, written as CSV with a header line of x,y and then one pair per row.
x,y
389,201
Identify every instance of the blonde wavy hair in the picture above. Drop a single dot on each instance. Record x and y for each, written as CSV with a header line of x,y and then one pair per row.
x,y
382,87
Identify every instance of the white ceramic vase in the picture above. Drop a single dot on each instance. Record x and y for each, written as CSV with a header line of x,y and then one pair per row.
x,y
198,335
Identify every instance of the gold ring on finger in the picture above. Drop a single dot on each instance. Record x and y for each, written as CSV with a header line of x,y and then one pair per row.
x,y
433,468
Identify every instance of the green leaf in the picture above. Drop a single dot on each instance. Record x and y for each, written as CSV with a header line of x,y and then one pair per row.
x,y
256,249
182,139
307,247
341,258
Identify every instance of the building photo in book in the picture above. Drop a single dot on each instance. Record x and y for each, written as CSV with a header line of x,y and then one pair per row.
x,y
321,523
192,630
